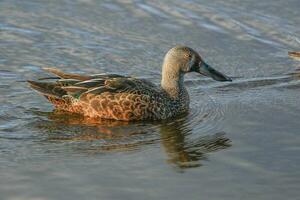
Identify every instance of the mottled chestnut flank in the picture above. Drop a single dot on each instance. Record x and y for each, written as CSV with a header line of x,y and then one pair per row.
x,y
113,96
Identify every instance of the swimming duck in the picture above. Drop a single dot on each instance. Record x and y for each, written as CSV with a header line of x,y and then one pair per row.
x,y
112,96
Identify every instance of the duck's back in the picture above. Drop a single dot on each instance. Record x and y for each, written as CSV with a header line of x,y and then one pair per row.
x,y
107,96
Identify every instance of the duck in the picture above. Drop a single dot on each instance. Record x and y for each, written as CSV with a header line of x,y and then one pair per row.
x,y
126,98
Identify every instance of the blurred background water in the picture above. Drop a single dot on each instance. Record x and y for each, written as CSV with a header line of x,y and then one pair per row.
x,y
239,141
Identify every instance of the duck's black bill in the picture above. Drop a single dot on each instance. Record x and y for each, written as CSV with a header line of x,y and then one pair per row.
x,y
207,70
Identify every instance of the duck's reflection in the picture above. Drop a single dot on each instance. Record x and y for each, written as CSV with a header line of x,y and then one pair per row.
x,y
182,148
185,151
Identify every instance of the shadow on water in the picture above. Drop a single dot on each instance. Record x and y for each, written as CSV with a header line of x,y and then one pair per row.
x,y
182,147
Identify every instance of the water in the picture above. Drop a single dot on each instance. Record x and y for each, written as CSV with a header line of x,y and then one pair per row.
x,y
240,140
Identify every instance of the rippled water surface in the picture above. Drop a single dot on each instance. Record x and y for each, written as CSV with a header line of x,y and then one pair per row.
x,y
240,140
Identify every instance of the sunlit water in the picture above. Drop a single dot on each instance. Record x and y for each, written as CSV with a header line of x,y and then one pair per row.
x,y
239,141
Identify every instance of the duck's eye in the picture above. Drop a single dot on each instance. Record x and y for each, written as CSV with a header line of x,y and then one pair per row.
x,y
188,55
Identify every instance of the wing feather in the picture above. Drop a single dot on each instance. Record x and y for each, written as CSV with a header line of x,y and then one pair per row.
x,y
77,85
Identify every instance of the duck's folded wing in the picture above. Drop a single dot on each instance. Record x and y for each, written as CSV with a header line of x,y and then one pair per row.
x,y
79,77
77,85
120,85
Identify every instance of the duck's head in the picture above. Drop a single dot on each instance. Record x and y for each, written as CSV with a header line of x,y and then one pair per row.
x,y
183,59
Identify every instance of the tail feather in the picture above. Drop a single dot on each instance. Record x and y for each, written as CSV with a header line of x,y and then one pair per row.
x,y
47,89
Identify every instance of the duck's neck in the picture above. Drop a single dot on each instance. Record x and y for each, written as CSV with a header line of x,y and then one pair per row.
x,y
172,81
